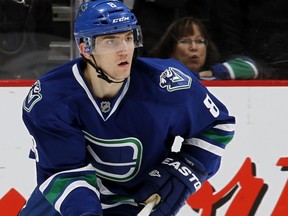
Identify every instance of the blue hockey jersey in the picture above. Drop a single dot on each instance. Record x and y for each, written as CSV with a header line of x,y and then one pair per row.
x,y
90,150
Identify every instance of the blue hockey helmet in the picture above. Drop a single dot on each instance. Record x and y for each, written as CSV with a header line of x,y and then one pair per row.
x,y
103,17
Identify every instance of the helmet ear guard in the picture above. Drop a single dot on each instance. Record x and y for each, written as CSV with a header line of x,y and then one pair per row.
x,y
88,44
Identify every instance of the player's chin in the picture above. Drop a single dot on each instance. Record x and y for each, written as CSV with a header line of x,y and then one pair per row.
x,y
124,71
122,75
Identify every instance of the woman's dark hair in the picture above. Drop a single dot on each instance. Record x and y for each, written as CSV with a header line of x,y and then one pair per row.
x,y
178,29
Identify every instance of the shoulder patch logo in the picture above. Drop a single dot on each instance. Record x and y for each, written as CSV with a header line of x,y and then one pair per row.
x,y
33,97
174,79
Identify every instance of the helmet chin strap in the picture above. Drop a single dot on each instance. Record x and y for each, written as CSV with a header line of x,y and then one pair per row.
x,y
101,73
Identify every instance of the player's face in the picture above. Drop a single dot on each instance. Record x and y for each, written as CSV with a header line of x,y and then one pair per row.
x,y
114,54
191,50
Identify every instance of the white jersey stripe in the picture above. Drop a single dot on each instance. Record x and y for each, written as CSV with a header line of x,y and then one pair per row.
x,y
129,202
226,127
230,70
72,187
204,145
45,184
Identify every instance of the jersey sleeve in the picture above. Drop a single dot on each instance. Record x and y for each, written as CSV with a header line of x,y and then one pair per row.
x,y
73,192
195,114
238,68
63,175
207,129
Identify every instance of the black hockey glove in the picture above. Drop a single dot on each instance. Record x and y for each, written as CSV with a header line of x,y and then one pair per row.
x,y
174,180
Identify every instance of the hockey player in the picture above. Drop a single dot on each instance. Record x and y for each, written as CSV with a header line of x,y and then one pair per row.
x,y
103,125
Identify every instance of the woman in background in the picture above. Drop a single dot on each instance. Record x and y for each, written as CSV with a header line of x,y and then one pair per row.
x,y
187,40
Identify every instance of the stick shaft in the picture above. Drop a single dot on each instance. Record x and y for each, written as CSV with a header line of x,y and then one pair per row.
x,y
146,211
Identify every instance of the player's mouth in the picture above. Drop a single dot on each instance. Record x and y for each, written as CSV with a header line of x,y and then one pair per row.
x,y
123,64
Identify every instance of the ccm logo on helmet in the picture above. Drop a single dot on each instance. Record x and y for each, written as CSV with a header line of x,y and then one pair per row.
x,y
122,19
185,171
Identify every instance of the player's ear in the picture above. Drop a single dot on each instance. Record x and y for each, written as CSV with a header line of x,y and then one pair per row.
x,y
83,51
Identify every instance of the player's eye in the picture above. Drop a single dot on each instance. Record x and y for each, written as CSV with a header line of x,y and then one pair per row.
x,y
129,39
110,42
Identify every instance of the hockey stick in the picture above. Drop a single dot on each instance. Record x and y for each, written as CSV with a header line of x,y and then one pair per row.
x,y
148,208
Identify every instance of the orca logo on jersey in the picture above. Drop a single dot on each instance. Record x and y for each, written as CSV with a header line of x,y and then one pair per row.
x,y
115,159
174,79
33,97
